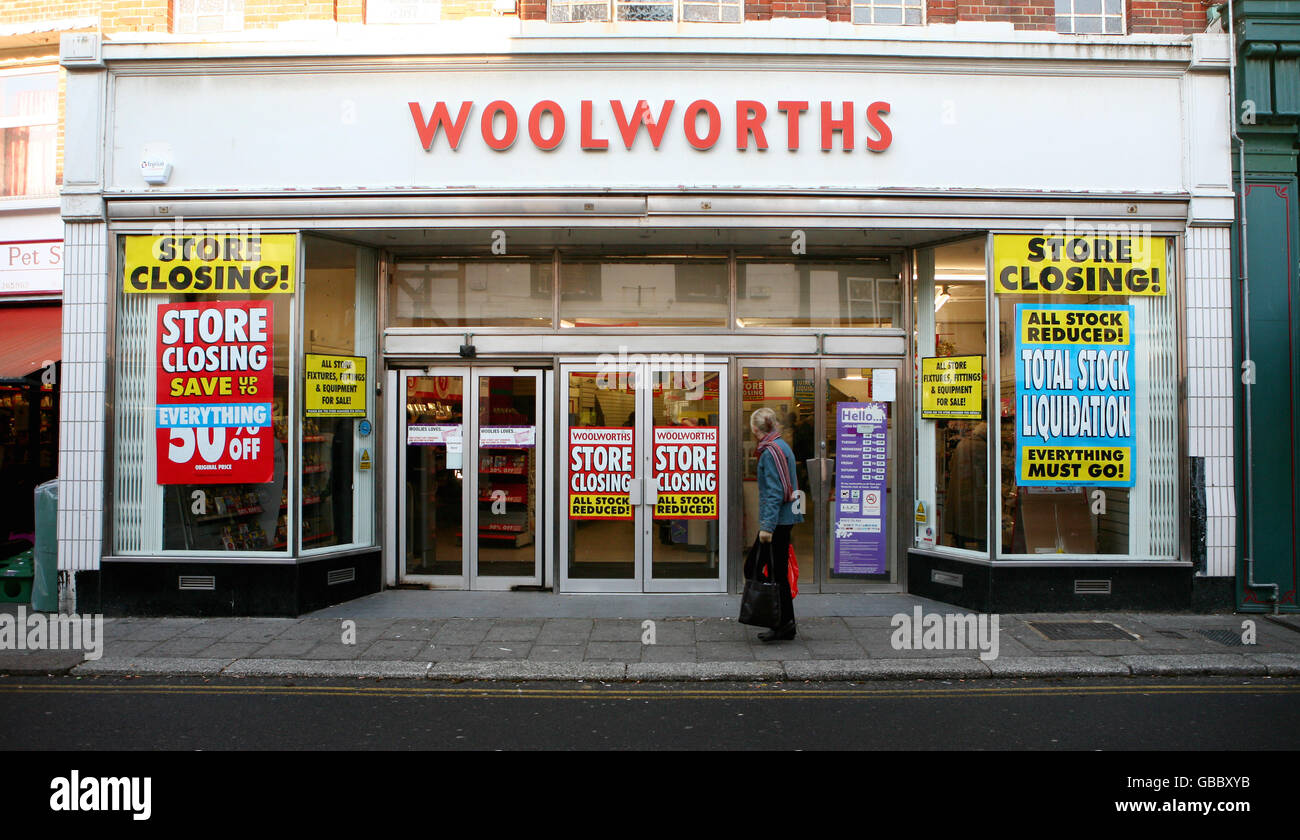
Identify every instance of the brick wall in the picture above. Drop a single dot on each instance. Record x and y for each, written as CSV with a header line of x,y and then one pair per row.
x,y
1143,16
1023,14
1167,15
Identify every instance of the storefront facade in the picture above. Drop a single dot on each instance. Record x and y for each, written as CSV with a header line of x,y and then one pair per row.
x,y
350,304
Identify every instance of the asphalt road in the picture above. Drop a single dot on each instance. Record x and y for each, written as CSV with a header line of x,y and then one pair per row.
x,y
228,714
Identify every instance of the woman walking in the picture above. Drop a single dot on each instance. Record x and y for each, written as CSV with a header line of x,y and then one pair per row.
x,y
776,514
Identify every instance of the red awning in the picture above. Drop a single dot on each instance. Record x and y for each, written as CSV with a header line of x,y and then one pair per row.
x,y
31,337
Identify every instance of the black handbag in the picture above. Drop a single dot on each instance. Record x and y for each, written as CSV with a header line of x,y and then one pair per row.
x,y
760,605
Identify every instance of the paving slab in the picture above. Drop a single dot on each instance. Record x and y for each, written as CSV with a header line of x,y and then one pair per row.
x,y
558,653
613,651
502,650
668,653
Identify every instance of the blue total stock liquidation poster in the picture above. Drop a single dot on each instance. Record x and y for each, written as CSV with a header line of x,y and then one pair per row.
x,y
1074,395
861,462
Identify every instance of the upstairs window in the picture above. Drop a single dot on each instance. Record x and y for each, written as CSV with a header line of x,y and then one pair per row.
x,y
403,11
199,17
29,113
1090,17
889,12
691,11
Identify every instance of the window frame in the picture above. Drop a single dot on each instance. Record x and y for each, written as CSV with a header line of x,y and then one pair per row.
x,y
44,119
902,5
229,17
1070,17
678,7
428,15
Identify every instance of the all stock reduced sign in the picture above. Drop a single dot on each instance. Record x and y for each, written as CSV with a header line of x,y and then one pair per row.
x,y
686,472
214,393
1074,395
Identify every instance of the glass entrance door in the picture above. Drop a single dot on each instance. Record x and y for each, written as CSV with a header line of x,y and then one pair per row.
x,y
644,494
471,472
839,418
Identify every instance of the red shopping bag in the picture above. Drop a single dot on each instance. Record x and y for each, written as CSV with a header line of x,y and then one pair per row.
x,y
791,572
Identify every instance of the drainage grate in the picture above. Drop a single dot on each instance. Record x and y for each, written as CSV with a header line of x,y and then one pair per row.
x,y
199,583
341,576
1231,638
1080,631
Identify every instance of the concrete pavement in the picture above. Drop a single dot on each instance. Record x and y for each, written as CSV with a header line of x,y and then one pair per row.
x,y
535,636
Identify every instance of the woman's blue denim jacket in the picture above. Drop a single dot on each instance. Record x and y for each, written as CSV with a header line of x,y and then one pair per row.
x,y
772,511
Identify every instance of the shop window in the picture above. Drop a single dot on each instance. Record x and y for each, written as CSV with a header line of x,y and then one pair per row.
x,y
403,11
644,293
338,443
238,428
1137,412
204,396
1080,456
952,424
889,12
453,293
198,17
28,133
861,294
1090,17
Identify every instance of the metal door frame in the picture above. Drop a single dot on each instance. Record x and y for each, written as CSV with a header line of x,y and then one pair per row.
x,y
469,578
642,580
899,497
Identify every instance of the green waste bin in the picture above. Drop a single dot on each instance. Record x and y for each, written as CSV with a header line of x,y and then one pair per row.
x,y
16,578
45,580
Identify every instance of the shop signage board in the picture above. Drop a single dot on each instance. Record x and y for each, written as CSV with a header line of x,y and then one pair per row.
x,y
685,463
31,267
334,386
209,263
1074,395
620,132
952,387
861,462
754,389
1077,264
215,381
601,466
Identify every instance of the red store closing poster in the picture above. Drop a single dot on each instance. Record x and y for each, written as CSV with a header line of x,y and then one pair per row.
x,y
215,383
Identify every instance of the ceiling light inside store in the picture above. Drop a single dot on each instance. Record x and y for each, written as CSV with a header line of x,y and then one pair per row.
x,y
941,298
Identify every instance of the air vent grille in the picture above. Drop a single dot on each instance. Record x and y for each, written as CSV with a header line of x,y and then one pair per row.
x,y
1092,587
341,576
198,583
